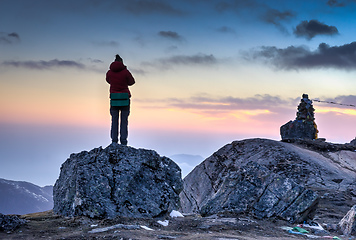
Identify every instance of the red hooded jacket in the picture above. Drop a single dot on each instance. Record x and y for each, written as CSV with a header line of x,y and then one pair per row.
x,y
119,78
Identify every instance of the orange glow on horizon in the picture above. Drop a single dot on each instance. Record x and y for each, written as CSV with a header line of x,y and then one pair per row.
x,y
198,121
347,111
216,103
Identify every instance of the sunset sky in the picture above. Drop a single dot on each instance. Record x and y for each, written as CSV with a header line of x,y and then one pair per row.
x,y
207,72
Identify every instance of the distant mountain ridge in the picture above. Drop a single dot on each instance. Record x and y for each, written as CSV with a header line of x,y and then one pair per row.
x,y
19,197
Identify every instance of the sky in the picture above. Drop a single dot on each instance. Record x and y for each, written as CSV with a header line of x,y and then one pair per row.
x,y
208,72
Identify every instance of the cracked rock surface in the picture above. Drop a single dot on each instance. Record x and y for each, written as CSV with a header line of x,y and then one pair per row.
x,y
268,178
117,181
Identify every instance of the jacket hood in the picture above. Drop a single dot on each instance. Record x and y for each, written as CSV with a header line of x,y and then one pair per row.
x,y
117,66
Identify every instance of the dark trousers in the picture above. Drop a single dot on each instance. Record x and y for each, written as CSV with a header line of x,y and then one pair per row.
x,y
124,113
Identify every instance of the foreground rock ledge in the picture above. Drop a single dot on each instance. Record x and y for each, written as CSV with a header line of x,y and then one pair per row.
x,y
117,181
269,178
10,222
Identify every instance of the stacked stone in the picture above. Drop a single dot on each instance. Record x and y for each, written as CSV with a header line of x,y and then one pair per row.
x,y
305,109
304,126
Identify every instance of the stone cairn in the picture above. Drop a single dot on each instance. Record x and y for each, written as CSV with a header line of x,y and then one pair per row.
x,y
304,126
305,109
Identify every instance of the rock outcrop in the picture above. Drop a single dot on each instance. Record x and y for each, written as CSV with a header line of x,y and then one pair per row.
x,y
10,222
117,181
267,178
353,142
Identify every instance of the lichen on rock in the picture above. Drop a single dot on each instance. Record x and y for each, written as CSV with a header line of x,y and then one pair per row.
x,y
117,181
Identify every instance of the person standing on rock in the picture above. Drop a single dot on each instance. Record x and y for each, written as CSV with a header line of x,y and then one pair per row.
x,y
119,79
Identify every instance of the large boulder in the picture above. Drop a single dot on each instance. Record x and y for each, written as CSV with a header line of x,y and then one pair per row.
x,y
267,178
117,181
298,129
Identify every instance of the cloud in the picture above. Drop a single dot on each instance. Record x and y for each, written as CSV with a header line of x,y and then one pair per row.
x,y
310,29
44,65
342,101
216,105
200,59
325,56
267,108
14,35
95,60
275,17
335,3
139,7
346,100
258,102
9,38
259,9
106,44
138,71
236,5
225,29
140,40
170,35
183,60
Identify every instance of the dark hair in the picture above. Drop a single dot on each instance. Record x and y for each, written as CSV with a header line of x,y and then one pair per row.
x,y
118,58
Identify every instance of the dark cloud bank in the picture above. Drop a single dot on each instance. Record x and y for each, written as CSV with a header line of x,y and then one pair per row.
x,y
184,60
312,28
170,35
202,59
44,65
340,3
325,56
